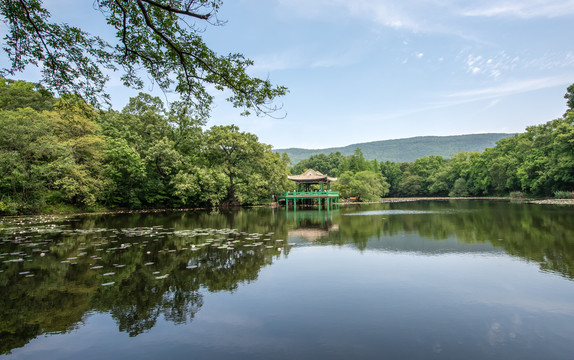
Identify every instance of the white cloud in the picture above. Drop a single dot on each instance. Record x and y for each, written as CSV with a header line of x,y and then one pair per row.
x,y
393,14
509,88
493,94
496,65
525,9
429,16
495,73
551,61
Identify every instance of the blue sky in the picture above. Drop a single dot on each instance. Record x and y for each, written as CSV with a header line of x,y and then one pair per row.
x,y
366,70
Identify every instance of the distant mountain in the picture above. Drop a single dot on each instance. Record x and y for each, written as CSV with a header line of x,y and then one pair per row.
x,y
409,149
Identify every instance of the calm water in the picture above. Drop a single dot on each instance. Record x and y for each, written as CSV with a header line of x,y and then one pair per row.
x,y
421,280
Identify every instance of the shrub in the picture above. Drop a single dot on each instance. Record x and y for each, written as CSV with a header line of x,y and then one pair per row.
x,y
8,208
517,195
564,194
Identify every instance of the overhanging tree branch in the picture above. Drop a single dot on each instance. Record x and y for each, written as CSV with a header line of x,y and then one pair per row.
x,y
36,30
178,11
152,36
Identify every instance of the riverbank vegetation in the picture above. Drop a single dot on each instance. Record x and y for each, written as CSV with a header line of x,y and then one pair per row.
x,y
536,163
62,154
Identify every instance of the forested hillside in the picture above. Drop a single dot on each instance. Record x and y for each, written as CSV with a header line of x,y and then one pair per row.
x,y
538,162
409,149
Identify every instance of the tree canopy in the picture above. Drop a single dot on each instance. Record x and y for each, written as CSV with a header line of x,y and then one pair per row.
x,y
57,152
162,37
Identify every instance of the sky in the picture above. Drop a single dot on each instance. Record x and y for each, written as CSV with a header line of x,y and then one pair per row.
x,y
368,70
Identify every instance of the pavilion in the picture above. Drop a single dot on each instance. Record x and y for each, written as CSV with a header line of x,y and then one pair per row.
x,y
303,191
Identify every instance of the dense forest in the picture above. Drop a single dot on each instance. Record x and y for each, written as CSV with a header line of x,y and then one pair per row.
x,y
538,162
62,154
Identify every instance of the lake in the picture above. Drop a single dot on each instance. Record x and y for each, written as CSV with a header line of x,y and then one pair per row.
x,y
416,280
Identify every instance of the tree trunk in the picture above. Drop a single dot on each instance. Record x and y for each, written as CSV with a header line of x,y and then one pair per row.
x,y
231,199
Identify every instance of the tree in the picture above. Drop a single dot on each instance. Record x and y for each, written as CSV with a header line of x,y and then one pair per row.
x,y
26,150
411,185
236,153
425,167
561,167
77,171
20,94
364,185
162,37
459,189
50,157
392,172
200,186
569,96
126,172
163,163
268,176
438,181
142,123
357,162
326,164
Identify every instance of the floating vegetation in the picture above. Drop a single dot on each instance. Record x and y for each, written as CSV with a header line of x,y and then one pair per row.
x,y
80,254
13,260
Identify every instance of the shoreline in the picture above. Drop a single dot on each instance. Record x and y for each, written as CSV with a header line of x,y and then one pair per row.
x,y
526,201
552,202
490,198
409,199
564,202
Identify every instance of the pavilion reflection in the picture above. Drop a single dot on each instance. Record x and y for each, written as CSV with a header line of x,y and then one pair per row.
x,y
311,224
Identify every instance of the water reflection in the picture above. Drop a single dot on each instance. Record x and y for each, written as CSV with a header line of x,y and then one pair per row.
x,y
543,234
54,272
309,225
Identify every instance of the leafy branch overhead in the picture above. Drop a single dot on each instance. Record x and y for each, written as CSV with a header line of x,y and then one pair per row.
x,y
161,37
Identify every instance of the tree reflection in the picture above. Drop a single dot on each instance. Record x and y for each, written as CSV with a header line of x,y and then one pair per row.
x,y
53,276
536,233
148,267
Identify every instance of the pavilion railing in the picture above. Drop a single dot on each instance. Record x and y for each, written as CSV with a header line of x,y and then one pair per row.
x,y
309,194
